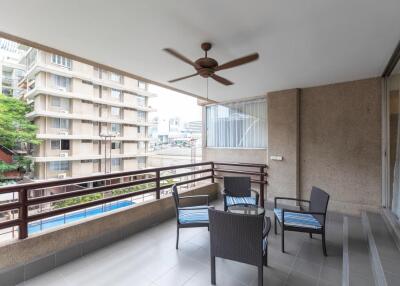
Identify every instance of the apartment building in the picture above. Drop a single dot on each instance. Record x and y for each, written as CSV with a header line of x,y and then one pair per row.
x,y
90,120
11,71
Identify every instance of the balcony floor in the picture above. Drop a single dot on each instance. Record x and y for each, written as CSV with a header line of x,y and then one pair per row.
x,y
150,258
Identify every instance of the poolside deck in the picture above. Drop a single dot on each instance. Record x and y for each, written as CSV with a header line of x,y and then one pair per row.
x,y
150,258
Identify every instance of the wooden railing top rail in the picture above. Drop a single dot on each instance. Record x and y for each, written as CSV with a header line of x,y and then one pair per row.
x,y
78,180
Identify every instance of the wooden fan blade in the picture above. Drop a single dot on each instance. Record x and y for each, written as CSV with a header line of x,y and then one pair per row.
x,y
221,79
238,62
181,57
184,77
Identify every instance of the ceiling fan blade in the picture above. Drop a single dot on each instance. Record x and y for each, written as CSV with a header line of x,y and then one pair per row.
x,y
221,79
184,77
238,62
181,57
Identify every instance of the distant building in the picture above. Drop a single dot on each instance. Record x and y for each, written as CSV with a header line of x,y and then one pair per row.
x,y
74,105
11,71
193,126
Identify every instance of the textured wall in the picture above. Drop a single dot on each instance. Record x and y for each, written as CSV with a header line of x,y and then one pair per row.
x,y
340,143
283,133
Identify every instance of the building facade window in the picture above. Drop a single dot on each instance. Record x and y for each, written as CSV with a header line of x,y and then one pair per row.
x,y
142,145
115,162
31,58
61,61
115,111
115,77
60,123
116,145
59,166
142,85
141,100
141,115
237,125
115,128
59,144
60,102
115,93
61,82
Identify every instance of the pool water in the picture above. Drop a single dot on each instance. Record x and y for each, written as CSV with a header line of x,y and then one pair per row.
x,y
38,226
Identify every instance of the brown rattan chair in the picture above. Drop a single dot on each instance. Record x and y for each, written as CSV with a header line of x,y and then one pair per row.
x,y
239,237
237,191
311,221
189,216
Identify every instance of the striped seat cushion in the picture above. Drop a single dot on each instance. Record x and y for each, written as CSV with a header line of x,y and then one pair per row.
x,y
193,215
265,245
298,219
230,201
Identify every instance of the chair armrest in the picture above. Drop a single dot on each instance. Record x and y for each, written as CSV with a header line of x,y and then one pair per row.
x,y
303,212
288,199
196,208
197,196
257,195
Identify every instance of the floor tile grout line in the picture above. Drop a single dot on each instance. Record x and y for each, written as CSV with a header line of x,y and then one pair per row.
x,y
346,264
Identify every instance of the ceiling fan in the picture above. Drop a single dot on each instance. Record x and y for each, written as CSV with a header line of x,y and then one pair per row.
x,y
206,67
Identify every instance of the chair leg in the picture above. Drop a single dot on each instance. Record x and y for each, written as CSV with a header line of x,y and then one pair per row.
x,y
324,243
310,235
260,275
265,258
213,270
177,237
283,238
276,232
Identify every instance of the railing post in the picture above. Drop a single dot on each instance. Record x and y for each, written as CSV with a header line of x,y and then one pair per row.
x,y
158,184
212,172
23,213
262,187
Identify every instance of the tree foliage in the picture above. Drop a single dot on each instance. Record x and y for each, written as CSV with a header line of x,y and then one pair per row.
x,y
14,126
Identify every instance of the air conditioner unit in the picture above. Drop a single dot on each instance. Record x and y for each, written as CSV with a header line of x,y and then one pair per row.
x,y
63,132
62,176
64,155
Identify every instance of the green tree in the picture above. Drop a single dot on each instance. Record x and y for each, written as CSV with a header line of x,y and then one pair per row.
x,y
14,126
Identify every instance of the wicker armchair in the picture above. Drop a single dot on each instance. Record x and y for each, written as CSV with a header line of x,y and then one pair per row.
x,y
237,191
190,216
311,221
239,237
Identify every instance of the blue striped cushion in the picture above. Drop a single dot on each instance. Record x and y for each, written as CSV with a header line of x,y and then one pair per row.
x,y
230,201
196,215
265,244
297,219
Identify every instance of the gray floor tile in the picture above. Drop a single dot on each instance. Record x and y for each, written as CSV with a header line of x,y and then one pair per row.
x,y
300,279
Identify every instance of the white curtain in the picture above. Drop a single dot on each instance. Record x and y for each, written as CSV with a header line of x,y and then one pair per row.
x,y
237,125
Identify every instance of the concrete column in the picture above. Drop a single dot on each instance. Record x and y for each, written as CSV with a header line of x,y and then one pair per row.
x,y
283,140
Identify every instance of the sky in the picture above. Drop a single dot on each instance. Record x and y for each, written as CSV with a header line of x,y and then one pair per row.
x,y
171,104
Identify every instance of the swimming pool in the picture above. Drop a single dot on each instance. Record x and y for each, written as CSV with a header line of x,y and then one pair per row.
x,y
37,226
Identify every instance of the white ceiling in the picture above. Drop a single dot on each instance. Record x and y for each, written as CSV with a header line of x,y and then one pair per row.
x,y
301,43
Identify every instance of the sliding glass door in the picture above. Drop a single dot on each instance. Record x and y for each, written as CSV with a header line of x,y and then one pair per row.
x,y
393,95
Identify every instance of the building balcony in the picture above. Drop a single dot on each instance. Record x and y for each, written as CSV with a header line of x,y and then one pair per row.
x,y
44,113
76,157
66,94
90,137
136,231
50,68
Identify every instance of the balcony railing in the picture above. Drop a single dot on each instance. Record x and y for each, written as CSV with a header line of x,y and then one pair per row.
x,y
28,206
